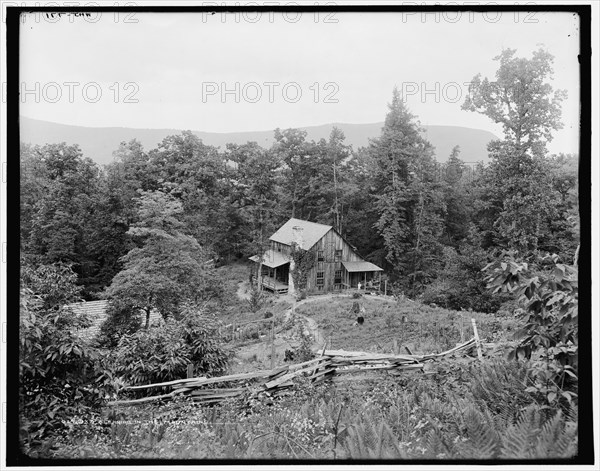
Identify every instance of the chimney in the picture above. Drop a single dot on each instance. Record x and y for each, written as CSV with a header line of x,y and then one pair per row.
x,y
298,237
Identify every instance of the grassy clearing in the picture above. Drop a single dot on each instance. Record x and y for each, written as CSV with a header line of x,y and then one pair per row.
x,y
242,329
233,309
422,328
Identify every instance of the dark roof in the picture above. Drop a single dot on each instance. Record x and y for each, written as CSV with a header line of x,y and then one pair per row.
x,y
312,232
361,266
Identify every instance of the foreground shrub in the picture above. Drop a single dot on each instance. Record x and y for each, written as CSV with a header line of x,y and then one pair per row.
x,y
120,321
412,416
61,377
163,353
548,292
303,352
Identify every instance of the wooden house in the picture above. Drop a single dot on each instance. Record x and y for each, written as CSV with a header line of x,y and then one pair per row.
x,y
336,266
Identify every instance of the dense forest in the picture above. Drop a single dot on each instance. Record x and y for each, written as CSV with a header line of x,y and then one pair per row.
x,y
431,226
147,230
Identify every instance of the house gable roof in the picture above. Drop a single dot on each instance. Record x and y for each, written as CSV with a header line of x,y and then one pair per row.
x,y
312,232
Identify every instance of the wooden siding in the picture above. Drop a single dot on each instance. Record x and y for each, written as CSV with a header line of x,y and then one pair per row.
x,y
329,243
279,247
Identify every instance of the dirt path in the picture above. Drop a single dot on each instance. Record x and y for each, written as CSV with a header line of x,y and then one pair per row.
x,y
312,326
283,340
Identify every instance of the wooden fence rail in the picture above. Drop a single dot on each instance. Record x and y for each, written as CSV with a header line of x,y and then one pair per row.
x,y
330,363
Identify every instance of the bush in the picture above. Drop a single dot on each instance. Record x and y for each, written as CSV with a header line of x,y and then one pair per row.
x,y
60,376
120,321
548,292
302,352
162,354
256,299
53,285
461,283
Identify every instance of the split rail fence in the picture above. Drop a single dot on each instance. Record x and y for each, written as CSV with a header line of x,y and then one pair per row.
x,y
330,363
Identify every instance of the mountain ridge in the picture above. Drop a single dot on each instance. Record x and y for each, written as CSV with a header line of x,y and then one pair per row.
x,y
99,143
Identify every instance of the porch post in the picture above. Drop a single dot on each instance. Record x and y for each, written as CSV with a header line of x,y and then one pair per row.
x,y
291,287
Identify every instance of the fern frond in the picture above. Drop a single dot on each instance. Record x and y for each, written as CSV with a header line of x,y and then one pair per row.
x,y
483,441
518,440
558,438
365,440
436,448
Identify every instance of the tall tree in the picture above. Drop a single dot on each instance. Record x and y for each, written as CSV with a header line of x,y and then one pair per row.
x,y
521,98
167,268
408,200
196,174
117,200
334,178
254,194
360,207
294,151
454,182
61,228
33,187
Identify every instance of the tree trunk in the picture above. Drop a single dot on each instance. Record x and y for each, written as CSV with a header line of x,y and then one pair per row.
x,y
337,209
419,221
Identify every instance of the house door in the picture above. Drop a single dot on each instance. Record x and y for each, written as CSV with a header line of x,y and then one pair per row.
x,y
283,273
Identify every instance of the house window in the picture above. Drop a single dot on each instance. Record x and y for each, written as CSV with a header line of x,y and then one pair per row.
x,y
320,279
338,277
320,266
278,248
320,257
338,255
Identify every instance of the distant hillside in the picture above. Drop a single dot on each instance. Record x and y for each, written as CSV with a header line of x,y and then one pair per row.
x,y
99,143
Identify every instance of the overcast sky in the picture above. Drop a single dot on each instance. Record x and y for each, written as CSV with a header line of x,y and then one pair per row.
x,y
170,70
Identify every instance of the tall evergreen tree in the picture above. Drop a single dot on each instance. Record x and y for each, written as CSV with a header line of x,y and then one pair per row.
x,y
408,200
454,181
